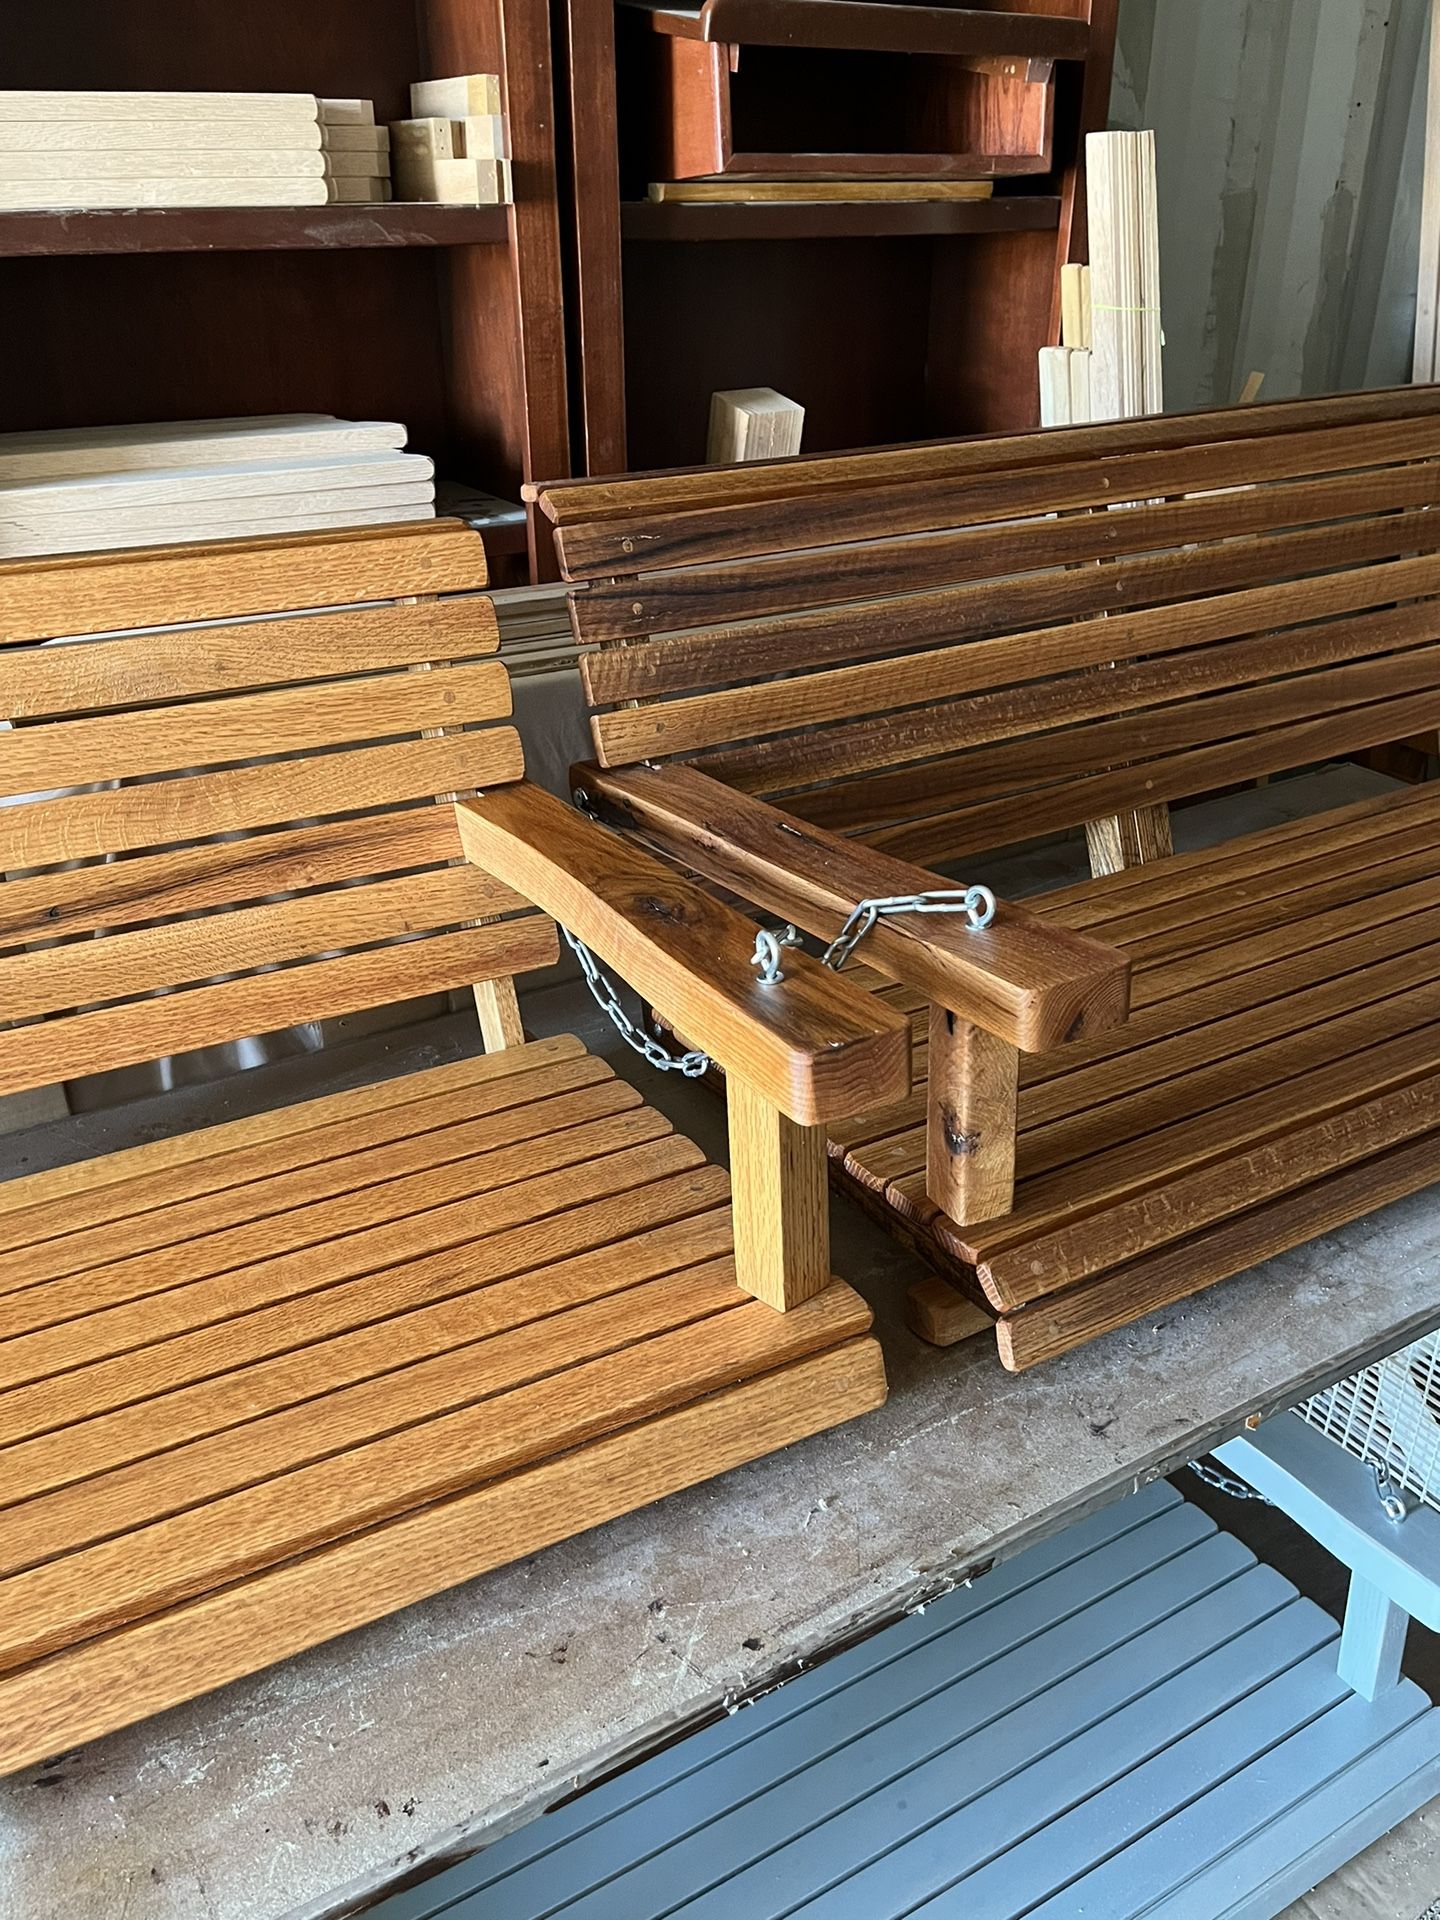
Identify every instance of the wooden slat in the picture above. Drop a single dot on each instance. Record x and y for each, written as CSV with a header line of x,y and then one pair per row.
x,y
177,663
900,510
944,726
705,596
232,579
368,1348
291,1173
72,900
258,1315
577,502
1041,760
292,720
813,1046
991,825
457,1374
87,973
140,1670
1055,1325
168,812
1038,657
764,649
86,1192
156,1567
322,990
1013,976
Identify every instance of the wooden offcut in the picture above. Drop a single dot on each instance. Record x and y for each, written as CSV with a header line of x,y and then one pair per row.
x,y
753,423
264,1382
839,677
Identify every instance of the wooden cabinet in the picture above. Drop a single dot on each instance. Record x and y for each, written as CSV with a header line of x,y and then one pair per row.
x,y
448,318
887,321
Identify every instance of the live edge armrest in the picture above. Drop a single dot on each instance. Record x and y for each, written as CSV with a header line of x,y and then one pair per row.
x,y
815,1046
1021,979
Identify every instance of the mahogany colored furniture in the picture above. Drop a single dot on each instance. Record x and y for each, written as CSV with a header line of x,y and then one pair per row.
x,y
448,318
269,1380
887,322
826,679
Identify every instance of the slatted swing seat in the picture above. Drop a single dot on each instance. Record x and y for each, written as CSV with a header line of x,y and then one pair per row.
x,y
267,1381
840,677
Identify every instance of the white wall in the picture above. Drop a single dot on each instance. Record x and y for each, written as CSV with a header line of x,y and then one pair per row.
x,y
1289,137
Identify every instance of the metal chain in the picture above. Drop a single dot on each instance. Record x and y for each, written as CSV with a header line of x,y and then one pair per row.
x,y
691,1064
1224,1482
977,903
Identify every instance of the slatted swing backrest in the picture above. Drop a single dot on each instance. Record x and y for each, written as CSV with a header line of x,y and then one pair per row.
x,y
951,647
256,828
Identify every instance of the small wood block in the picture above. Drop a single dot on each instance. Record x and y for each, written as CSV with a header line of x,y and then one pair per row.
x,y
970,1132
941,1315
467,95
753,423
1132,839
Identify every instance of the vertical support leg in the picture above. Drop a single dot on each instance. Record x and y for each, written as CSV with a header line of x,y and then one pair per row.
x,y
1124,840
970,1126
781,1200
1372,1640
499,1012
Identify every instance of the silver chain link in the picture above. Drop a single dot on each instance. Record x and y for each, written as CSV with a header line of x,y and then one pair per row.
x,y
1224,1482
977,903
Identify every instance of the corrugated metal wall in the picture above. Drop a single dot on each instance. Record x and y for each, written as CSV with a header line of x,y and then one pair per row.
x,y
1289,136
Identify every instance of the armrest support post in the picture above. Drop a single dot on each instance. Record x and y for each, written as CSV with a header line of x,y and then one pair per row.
x,y
971,1120
780,1200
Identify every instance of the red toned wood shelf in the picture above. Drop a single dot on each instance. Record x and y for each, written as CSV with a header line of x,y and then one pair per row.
x,y
248,229
838,220
975,31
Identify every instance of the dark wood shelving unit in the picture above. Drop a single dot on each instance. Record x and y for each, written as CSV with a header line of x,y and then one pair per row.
x,y
447,318
838,220
888,322
249,229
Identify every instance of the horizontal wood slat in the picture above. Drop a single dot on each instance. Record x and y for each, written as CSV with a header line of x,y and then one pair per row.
x,y
141,1669
577,502
764,649
169,812
291,720
177,663
705,596
147,887
254,1315
232,579
363,1349
122,1036
816,524
1035,659
91,972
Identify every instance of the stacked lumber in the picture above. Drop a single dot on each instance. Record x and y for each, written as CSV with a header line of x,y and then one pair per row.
x,y
356,151
116,149
1108,363
454,149
81,490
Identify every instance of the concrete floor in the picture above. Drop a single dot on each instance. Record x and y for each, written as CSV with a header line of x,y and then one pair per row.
x,y
305,1790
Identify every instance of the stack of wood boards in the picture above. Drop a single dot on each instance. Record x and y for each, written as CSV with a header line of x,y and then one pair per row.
x,y
82,489
454,148
356,151
104,149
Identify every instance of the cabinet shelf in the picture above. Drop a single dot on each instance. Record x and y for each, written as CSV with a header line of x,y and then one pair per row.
x,y
837,219
249,229
973,32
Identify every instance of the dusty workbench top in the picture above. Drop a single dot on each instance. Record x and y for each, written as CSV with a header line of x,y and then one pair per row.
x,y
298,1790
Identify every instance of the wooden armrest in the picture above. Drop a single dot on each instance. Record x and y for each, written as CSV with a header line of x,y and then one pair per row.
x,y
814,1045
1022,979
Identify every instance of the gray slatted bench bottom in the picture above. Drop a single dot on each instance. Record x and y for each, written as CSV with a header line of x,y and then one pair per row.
x,y
1134,1717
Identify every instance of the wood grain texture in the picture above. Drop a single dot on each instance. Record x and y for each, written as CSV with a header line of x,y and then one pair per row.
x,y
780,1200
231,580
139,1671
970,1119
811,1045
1015,977
174,664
